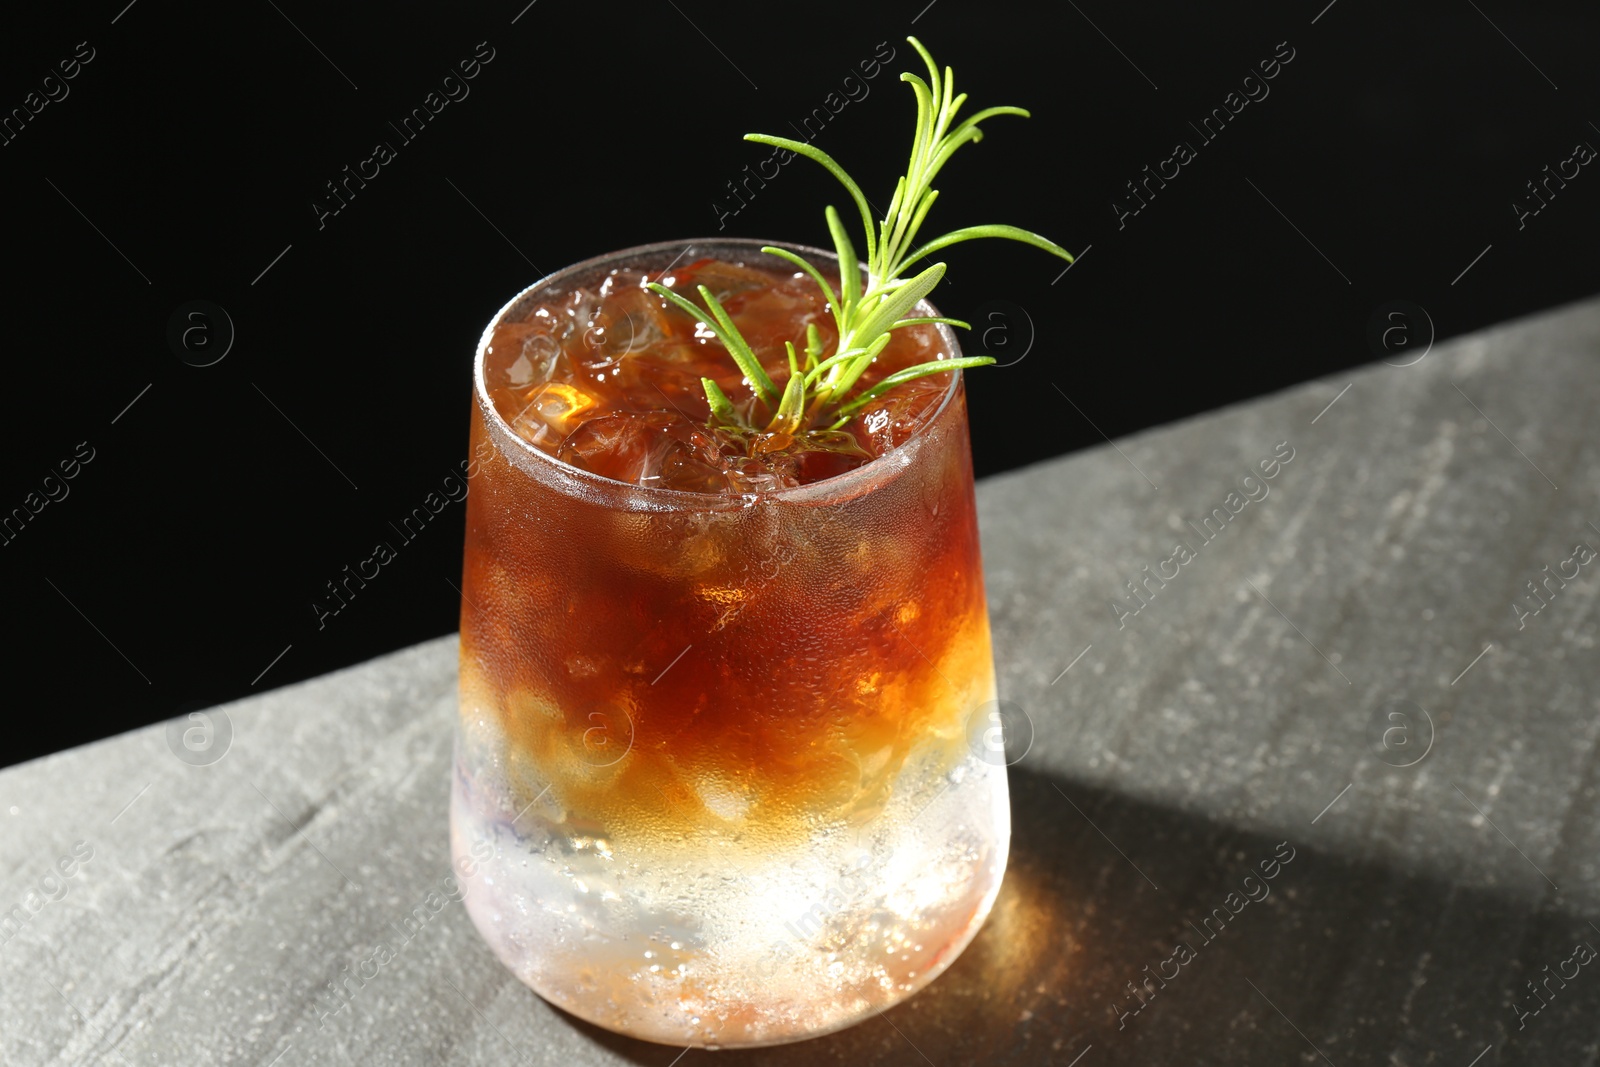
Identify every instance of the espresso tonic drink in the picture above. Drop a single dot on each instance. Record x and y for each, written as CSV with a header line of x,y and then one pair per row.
x,y
725,732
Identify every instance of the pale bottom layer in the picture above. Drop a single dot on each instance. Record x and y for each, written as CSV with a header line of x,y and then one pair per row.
x,y
720,943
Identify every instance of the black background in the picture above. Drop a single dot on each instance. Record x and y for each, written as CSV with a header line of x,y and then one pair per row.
x,y
187,155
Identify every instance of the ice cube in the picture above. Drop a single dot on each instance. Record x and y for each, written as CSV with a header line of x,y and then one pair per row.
x,y
656,448
615,446
891,420
630,321
691,470
722,278
519,355
550,412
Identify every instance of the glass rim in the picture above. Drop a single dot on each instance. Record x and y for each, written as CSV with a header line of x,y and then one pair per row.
x,y
850,484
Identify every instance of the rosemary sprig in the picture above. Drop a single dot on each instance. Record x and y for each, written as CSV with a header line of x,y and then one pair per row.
x,y
817,391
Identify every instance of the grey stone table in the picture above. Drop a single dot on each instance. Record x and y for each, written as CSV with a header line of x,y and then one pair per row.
x,y
1343,683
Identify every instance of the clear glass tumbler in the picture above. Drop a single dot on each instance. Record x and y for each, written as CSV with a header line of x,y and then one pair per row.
x,y
726,772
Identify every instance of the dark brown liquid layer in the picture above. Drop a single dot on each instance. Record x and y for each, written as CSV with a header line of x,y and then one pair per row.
x,y
761,665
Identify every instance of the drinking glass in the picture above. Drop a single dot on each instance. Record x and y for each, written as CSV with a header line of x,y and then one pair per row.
x,y
726,771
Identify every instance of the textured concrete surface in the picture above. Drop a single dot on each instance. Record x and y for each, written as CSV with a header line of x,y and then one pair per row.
x,y
1335,689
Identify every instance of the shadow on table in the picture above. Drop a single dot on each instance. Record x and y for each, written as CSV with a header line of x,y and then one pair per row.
x,y
1372,964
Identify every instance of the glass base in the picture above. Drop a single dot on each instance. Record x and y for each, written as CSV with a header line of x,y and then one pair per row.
x,y
723,942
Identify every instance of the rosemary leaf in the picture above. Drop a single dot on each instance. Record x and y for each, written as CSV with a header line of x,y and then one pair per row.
x,y
722,409
921,370
968,233
723,326
904,299
819,156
